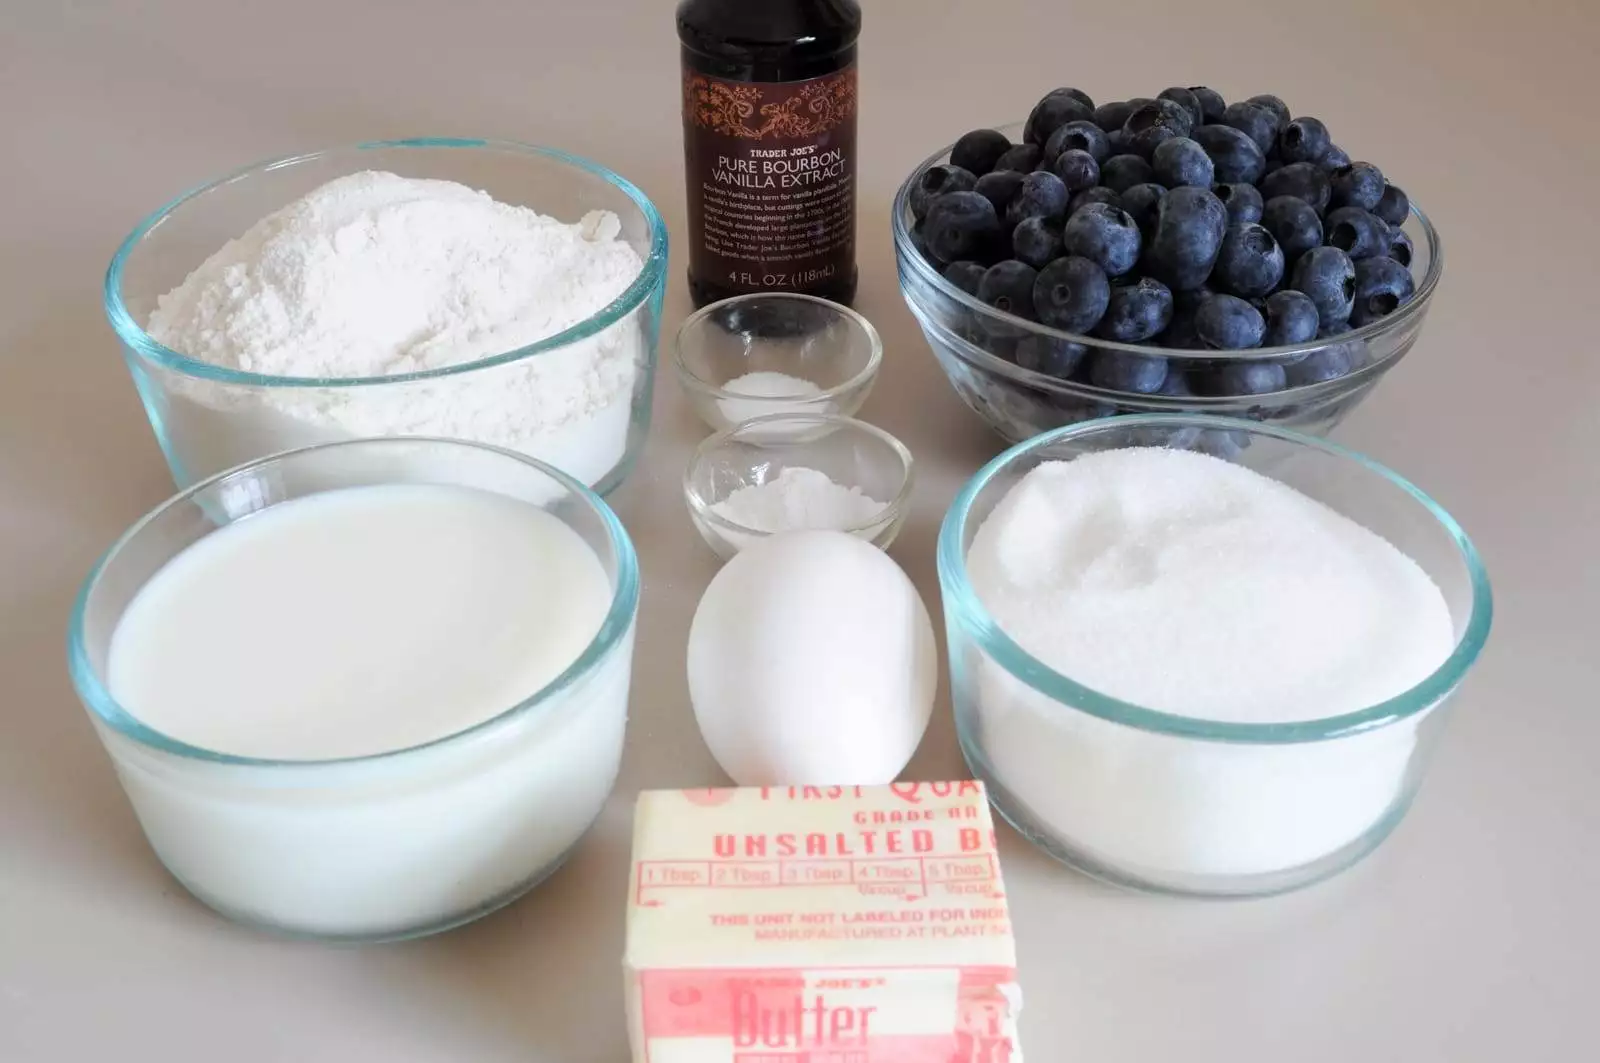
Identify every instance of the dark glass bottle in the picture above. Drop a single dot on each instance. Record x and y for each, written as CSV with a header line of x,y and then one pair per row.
x,y
769,130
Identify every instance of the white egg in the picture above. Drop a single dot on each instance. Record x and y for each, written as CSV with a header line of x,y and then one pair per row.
x,y
812,663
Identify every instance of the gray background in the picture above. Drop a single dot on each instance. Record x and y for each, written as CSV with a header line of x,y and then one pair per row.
x,y
1469,936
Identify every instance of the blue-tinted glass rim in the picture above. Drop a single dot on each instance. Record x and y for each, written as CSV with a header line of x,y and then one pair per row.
x,y
651,279
966,610
614,627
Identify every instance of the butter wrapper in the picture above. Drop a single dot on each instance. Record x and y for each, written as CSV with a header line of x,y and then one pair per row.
x,y
819,925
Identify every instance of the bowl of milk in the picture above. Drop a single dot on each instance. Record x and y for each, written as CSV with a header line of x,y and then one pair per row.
x,y
364,690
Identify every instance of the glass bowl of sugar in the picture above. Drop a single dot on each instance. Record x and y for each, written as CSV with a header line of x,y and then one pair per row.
x,y
1203,656
796,472
364,690
768,353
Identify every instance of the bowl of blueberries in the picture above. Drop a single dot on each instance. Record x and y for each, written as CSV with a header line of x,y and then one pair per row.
x,y
1175,253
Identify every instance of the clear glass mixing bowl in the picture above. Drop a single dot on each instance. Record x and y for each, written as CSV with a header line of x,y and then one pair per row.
x,y
1175,804
208,418
977,348
397,844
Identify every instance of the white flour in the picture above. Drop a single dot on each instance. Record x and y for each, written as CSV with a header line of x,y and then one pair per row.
x,y
1183,583
799,499
373,275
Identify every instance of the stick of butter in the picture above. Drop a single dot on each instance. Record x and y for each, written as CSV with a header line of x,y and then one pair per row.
x,y
843,924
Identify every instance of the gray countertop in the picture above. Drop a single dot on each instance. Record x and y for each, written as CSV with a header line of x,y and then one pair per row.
x,y
1468,936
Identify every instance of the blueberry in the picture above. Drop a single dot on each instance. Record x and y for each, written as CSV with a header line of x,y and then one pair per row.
x,y
1382,287
1186,99
1122,172
1250,262
1212,105
1135,312
1176,386
979,150
1111,117
919,240
1394,206
1082,136
1050,356
1291,318
1105,235
965,275
1246,378
1400,248
1228,323
1294,224
1117,141
1071,294
1180,334
1180,161
1244,203
1357,233
1157,121
937,181
958,225
1141,202
1137,373
1279,109
1303,180
1036,242
1190,223
1234,156
1024,158
1333,159
1358,185
1304,140
1257,123
1098,194
1328,276
999,188
1042,195
1077,170
1058,107
1328,363
1008,286
1355,351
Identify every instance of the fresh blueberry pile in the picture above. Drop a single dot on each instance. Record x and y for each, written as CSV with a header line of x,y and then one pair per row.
x,y
1181,222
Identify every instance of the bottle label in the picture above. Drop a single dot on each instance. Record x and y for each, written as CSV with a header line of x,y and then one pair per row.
x,y
771,175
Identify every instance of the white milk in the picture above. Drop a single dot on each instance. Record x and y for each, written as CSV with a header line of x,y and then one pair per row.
x,y
359,622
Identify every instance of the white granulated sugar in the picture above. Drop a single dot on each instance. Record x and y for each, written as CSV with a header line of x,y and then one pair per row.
x,y
799,499
765,386
1184,583
374,275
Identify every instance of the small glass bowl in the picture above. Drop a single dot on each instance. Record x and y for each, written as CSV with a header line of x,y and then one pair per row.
x,y
830,347
1175,804
397,844
852,453
208,418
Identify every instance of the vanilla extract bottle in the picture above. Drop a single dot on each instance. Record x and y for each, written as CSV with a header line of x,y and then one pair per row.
x,y
769,136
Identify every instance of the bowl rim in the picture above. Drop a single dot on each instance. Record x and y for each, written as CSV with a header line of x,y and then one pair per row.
x,y
891,512
614,627
651,278
912,259
694,381
964,607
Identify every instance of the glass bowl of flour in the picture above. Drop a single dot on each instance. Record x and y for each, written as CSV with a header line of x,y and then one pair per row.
x,y
798,472
1203,674
483,290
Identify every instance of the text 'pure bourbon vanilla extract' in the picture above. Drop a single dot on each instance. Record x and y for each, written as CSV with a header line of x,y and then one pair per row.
x,y
769,130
